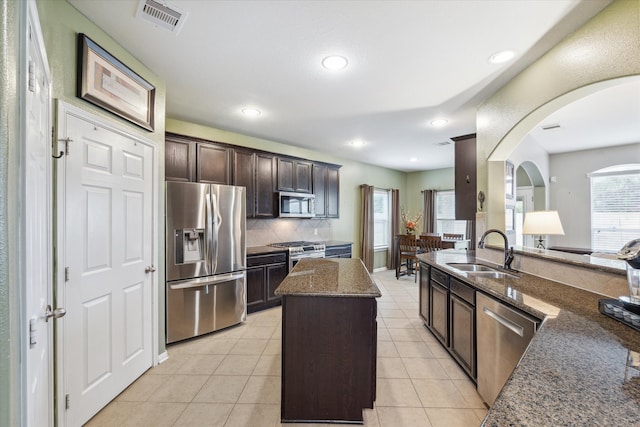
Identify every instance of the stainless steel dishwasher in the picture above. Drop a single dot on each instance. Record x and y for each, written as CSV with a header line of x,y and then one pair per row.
x,y
503,335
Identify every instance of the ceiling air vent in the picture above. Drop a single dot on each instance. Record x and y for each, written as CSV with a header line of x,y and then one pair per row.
x,y
551,127
442,143
162,14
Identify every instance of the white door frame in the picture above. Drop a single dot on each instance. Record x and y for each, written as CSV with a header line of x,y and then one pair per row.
x,y
63,109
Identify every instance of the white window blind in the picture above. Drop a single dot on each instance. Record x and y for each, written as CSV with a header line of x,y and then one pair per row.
x,y
381,218
615,207
446,214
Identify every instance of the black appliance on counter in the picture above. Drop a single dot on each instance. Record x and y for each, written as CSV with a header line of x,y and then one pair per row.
x,y
300,250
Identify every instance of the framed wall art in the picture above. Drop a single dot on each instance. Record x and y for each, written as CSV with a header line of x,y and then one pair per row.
x,y
106,82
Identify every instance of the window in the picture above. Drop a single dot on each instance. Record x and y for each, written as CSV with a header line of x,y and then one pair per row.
x,y
615,207
446,214
381,219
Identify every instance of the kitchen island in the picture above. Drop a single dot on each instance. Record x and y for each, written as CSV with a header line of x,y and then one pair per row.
x,y
581,367
329,339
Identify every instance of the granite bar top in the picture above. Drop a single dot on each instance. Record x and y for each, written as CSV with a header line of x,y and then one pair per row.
x,y
335,277
582,368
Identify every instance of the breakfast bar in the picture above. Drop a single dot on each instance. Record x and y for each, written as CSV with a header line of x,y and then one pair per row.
x,y
329,339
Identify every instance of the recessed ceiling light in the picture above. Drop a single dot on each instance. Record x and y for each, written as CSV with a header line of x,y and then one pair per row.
x,y
502,56
251,112
357,143
439,122
335,62
413,159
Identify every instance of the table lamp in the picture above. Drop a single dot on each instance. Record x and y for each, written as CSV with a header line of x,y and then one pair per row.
x,y
542,223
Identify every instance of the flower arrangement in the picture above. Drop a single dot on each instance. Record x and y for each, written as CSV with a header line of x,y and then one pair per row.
x,y
410,221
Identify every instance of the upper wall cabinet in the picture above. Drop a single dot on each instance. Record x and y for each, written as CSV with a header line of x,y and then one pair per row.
x,y
326,187
179,158
256,172
465,176
294,175
213,163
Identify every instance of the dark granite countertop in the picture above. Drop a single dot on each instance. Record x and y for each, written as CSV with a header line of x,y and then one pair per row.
x,y
577,369
259,250
341,277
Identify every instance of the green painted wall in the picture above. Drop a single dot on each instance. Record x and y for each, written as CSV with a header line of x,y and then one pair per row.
x,y
60,24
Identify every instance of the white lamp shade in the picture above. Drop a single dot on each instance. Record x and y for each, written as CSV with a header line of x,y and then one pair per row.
x,y
542,223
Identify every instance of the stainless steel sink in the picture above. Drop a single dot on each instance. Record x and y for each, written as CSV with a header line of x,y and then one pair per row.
x,y
472,267
481,270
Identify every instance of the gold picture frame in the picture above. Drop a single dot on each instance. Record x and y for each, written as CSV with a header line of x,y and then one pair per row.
x,y
106,82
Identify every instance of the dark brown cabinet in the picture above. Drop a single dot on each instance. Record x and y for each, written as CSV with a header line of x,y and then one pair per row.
x,y
213,163
447,307
439,306
255,171
463,325
338,251
423,292
326,188
465,176
265,272
180,159
294,175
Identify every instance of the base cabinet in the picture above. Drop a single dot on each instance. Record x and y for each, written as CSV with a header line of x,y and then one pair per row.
x,y
328,370
265,272
447,307
338,251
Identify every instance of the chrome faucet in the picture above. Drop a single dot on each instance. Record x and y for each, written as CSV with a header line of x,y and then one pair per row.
x,y
508,252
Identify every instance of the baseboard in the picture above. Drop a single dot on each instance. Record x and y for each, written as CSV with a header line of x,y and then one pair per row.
x,y
379,269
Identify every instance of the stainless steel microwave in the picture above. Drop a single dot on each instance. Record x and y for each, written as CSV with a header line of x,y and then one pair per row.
x,y
296,205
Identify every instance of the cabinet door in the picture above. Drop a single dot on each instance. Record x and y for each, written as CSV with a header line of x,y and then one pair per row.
x,y
463,342
265,183
302,177
179,159
256,289
333,193
439,311
275,275
319,189
285,174
424,293
465,177
244,175
213,164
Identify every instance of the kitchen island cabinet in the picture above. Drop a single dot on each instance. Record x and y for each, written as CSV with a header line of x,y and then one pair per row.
x,y
581,366
329,340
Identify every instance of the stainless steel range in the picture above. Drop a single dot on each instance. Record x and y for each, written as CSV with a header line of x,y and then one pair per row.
x,y
301,250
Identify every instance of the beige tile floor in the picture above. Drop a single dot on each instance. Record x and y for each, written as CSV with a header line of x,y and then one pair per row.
x,y
232,378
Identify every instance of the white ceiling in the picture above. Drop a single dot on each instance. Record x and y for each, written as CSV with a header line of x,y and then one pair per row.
x,y
409,63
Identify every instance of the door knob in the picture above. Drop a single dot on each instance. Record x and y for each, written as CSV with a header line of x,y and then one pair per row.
x,y
56,314
150,269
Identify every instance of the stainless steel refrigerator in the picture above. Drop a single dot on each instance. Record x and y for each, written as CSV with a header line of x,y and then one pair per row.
x,y
205,258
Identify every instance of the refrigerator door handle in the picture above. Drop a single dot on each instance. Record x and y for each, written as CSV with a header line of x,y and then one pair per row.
x,y
215,209
208,281
207,253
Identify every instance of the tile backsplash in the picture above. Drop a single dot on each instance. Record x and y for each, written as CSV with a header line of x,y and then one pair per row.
x,y
265,231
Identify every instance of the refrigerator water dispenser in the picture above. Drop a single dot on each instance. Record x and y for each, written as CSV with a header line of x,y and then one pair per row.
x,y
189,245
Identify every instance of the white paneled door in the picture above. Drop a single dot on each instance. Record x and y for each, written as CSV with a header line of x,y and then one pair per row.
x,y
108,261
38,330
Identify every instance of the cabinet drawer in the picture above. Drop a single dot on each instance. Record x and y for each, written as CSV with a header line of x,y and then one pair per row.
x,y
464,291
255,260
440,277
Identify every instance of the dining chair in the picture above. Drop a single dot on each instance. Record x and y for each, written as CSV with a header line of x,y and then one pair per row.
x,y
429,243
407,251
452,236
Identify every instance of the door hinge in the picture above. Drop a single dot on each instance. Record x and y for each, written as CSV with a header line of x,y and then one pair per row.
x,y
32,76
32,332
67,401
66,274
